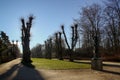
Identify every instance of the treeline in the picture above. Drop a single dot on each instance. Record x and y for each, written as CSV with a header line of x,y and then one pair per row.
x,y
103,22
98,27
8,50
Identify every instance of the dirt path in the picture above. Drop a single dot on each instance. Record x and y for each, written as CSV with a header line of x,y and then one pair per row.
x,y
13,70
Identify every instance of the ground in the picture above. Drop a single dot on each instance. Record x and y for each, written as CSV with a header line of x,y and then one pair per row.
x,y
14,70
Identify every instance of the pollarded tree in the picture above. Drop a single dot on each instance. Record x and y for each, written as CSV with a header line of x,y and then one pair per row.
x,y
58,44
26,27
73,40
60,47
48,48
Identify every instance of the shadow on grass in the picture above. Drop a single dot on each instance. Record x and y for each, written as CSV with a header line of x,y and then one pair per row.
x,y
21,72
83,62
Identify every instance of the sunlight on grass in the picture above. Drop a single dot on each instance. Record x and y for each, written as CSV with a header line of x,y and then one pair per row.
x,y
57,64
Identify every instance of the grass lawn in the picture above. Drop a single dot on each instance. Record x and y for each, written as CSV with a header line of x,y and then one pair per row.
x,y
57,64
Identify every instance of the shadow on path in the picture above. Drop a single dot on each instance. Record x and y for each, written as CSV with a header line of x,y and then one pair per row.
x,y
112,65
111,68
116,72
113,72
21,72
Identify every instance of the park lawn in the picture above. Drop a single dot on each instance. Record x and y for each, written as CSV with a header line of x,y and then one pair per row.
x,y
41,63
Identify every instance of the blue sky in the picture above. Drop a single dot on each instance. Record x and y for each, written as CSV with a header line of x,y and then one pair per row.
x,y
49,15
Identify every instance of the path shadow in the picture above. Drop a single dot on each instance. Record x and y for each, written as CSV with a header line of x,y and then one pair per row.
x,y
21,72
111,65
113,72
104,64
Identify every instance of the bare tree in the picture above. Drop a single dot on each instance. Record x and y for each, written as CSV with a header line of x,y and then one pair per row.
x,y
26,27
58,44
112,23
37,51
48,48
91,26
73,40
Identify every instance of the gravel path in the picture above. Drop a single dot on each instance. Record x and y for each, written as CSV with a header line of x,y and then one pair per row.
x,y
14,70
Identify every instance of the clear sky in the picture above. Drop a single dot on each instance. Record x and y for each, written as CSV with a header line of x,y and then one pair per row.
x,y
49,15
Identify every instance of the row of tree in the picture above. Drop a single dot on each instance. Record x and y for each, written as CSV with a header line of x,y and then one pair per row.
x,y
97,32
8,50
55,45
